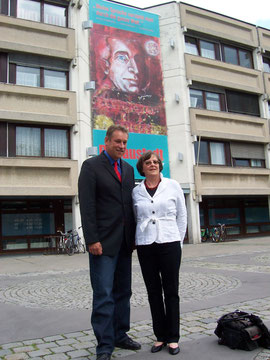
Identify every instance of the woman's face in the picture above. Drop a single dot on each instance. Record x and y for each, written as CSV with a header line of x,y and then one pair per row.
x,y
151,166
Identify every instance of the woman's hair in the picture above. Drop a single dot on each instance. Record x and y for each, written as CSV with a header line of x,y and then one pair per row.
x,y
146,156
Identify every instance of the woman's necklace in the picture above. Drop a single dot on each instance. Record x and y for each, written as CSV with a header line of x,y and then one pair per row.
x,y
151,187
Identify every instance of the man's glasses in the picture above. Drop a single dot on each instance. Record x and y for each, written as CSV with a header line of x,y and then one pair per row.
x,y
149,162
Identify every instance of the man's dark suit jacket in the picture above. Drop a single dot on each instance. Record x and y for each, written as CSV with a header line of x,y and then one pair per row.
x,y
106,204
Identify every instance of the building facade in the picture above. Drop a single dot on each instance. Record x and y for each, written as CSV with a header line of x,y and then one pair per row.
x,y
216,77
219,68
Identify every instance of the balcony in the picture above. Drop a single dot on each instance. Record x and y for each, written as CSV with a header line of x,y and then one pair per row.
x,y
228,126
39,105
222,74
38,177
219,180
36,38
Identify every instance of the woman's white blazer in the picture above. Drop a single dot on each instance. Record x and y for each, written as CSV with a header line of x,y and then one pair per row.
x,y
161,218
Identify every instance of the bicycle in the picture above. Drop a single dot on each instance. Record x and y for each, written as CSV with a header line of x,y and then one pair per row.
x,y
71,242
218,234
65,243
204,234
77,244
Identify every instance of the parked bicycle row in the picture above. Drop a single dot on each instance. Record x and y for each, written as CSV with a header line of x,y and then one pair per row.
x,y
214,234
68,242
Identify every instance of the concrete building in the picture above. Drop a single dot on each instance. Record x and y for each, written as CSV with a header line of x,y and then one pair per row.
x,y
216,73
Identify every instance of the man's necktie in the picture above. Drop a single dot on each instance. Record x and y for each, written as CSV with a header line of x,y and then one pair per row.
x,y
117,171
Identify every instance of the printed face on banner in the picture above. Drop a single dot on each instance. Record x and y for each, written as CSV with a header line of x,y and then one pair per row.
x,y
127,69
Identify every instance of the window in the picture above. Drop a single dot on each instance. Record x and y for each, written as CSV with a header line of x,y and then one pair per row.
x,y
241,162
4,7
55,15
55,143
257,163
28,9
242,103
28,141
217,152
34,70
55,79
38,77
249,162
40,11
3,67
206,100
3,139
218,51
202,47
208,49
27,76
266,64
237,56
38,141
212,153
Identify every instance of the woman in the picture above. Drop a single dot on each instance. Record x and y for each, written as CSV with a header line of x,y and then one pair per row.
x,y
160,211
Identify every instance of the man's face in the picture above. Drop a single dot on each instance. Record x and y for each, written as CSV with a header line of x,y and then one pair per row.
x,y
116,146
125,66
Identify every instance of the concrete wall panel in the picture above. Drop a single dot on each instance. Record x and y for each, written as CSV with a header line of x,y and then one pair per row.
x,y
28,104
228,126
36,38
222,74
38,177
217,25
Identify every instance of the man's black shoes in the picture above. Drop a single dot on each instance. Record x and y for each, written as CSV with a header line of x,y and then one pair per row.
x,y
104,356
128,344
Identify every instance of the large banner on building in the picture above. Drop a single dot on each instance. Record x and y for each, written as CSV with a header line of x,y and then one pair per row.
x,y
125,63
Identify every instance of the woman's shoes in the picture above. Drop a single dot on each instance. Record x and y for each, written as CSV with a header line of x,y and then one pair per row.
x,y
174,350
157,348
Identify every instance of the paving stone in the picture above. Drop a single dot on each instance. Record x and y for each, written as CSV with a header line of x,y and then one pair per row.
x,y
84,338
74,335
62,349
66,342
84,345
33,342
17,357
12,345
56,357
5,352
39,353
53,338
77,353
24,349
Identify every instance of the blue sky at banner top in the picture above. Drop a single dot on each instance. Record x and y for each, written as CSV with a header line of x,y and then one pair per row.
x,y
254,12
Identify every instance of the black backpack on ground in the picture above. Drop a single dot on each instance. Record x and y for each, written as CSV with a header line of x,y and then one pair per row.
x,y
240,330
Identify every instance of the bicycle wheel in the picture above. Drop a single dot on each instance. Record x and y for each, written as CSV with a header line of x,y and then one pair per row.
x,y
215,236
81,246
69,247
223,236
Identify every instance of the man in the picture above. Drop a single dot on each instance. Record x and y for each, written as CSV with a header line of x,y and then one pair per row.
x,y
105,186
124,66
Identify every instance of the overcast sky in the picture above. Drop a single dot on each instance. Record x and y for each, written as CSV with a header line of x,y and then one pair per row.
x,y
252,11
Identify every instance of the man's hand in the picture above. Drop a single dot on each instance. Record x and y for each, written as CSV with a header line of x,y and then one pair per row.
x,y
95,248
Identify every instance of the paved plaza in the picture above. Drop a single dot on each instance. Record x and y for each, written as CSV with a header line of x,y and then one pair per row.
x,y
45,303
